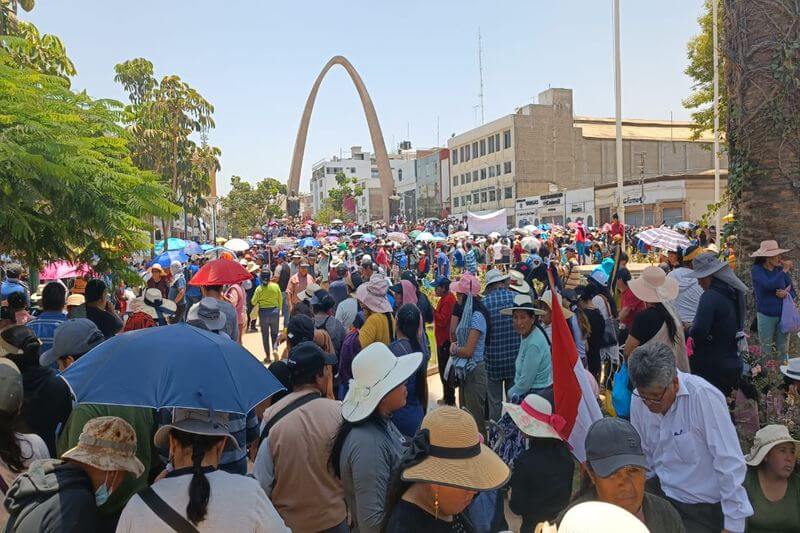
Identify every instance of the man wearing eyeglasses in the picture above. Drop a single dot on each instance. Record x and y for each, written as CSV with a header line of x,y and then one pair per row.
x,y
693,453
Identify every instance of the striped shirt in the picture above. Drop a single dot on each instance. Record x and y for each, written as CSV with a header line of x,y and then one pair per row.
x,y
503,346
471,262
44,326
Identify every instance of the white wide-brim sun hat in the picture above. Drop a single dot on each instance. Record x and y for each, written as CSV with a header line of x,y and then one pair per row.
x,y
376,373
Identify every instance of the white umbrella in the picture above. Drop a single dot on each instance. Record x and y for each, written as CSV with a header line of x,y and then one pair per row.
x,y
237,245
425,236
663,238
461,235
396,236
336,221
531,244
494,235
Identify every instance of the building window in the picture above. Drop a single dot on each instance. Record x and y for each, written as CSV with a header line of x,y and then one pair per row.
x,y
454,156
455,181
475,198
352,170
475,149
474,175
462,154
507,167
483,173
455,201
483,197
497,142
507,139
399,174
491,144
491,171
469,177
483,147
497,169
467,153
509,192
492,195
462,179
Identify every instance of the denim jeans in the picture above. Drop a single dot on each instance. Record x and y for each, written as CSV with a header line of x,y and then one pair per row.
x,y
495,391
472,395
285,309
268,321
769,332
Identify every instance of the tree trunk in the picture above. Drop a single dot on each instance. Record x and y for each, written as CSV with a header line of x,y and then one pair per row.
x,y
762,69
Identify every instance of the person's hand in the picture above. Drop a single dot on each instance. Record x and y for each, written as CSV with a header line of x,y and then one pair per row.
x,y
454,349
787,265
780,293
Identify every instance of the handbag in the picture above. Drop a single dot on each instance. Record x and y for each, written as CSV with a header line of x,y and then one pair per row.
x,y
790,316
620,393
611,330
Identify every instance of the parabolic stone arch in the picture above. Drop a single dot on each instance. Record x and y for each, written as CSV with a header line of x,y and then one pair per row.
x,y
378,144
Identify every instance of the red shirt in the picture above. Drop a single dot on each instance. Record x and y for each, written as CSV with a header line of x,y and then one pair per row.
x,y
442,317
617,229
628,300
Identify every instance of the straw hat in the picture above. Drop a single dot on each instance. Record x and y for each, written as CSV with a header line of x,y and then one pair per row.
x,y
523,302
769,249
453,454
792,369
518,282
376,372
767,438
373,294
309,292
600,517
252,267
74,300
534,417
654,286
547,298
107,443
150,301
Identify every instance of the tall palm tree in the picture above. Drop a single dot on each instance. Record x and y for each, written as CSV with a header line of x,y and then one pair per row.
x,y
762,69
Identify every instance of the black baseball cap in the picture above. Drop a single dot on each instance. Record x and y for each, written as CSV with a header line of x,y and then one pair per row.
x,y
611,444
308,359
300,329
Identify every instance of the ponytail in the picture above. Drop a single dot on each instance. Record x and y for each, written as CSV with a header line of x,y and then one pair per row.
x,y
199,487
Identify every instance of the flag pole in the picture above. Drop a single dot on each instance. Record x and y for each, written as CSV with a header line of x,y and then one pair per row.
x,y
715,11
618,98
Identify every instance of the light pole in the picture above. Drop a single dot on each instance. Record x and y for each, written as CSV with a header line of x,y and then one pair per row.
x,y
618,98
716,119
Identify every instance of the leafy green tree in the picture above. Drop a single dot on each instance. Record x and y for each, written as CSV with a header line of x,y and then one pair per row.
x,y
162,117
246,208
701,69
333,204
69,187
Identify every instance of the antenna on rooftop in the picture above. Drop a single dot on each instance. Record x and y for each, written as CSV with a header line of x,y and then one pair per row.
x,y
480,71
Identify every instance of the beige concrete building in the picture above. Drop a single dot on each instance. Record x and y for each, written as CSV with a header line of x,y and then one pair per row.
x,y
544,148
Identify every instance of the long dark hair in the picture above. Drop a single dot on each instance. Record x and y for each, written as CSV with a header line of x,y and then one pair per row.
x,y
672,328
408,322
334,461
199,487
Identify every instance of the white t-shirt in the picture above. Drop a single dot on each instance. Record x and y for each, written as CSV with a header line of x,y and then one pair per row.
x,y
33,448
237,503
497,248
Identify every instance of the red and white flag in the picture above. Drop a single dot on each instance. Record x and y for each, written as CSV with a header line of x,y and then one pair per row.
x,y
574,398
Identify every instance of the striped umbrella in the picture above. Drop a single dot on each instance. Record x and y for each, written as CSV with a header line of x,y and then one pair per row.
x,y
663,238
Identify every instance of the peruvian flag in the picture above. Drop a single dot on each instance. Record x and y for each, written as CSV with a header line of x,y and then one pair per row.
x,y
574,399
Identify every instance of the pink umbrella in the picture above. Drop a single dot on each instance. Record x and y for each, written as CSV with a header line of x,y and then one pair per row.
x,y
64,269
606,228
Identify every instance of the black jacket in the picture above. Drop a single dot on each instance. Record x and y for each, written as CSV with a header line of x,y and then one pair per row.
x,y
714,330
47,403
52,496
541,482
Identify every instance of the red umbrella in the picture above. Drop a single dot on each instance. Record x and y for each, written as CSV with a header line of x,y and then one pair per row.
x,y
220,272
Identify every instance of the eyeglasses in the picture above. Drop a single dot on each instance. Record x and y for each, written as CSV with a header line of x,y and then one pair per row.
x,y
651,401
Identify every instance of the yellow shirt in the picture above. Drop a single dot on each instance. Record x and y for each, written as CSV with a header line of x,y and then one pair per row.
x,y
267,296
375,329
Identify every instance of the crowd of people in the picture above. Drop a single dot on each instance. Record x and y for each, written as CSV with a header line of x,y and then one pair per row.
x,y
350,319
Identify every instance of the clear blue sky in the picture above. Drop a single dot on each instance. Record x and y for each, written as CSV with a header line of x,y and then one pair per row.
x,y
256,60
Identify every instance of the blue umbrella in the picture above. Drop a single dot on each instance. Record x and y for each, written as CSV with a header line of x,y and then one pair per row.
x,y
172,366
440,235
166,258
193,248
173,243
308,242
368,237
207,247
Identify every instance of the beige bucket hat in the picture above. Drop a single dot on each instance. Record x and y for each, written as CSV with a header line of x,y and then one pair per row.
x,y
107,443
654,286
453,454
769,249
547,299
767,438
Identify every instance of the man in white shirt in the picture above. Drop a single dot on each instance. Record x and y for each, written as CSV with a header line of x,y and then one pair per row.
x,y
692,448
689,290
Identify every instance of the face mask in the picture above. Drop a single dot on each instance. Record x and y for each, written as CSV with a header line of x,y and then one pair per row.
x,y
102,493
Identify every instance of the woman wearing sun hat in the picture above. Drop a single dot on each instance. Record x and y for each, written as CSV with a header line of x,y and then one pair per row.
x,y
368,447
468,350
659,322
442,471
772,481
533,365
547,460
771,284
379,323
